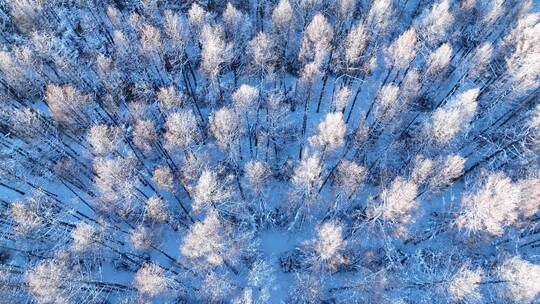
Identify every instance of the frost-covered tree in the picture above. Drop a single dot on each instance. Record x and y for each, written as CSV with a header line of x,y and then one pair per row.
x,y
316,42
210,192
182,130
453,118
245,97
18,74
344,10
349,177
141,238
207,243
402,51
330,244
216,53
246,100
519,277
26,216
521,43
237,25
492,207
226,128
464,285
258,175
306,289
151,280
435,22
84,236
438,60
156,210
169,98
331,132
530,194
262,277
217,287
68,106
197,16
164,178
282,15
445,171
108,73
355,44
176,31
422,169
379,16
342,98
144,134
482,57
115,182
410,87
151,40
397,204
262,50
307,175
387,103
49,281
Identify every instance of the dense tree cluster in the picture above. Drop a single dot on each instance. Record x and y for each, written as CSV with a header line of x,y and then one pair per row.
x,y
270,151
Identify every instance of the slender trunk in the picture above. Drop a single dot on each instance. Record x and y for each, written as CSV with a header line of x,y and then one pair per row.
x,y
353,103
304,121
